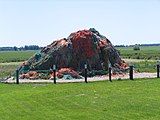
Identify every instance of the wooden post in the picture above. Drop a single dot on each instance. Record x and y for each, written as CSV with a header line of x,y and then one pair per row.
x,y
85,68
158,70
131,72
54,73
17,76
110,74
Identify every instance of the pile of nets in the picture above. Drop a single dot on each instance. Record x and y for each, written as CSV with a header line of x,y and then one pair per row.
x,y
72,53
66,73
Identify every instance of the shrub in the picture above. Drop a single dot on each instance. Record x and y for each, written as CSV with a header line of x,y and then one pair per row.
x,y
136,47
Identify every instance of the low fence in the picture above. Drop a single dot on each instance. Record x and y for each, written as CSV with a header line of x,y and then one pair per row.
x,y
131,73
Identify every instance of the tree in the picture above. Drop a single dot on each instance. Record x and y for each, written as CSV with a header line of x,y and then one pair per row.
x,y
15,48
136,47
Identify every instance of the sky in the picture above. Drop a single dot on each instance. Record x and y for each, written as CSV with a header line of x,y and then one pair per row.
x,y
40,22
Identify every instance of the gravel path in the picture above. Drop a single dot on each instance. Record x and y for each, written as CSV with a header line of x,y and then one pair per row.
x,y
137,60
96,78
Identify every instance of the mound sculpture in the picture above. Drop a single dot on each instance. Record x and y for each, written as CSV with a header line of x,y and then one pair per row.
x,y
70,54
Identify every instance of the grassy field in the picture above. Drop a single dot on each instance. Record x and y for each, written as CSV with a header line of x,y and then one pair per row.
x,y
8,68
148,53
15,56
10,60
120,100
147,57
143,65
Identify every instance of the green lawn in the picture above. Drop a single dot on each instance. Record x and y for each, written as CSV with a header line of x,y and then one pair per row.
x,y
119,100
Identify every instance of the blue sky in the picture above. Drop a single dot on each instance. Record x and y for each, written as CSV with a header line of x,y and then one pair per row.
x,y
30,22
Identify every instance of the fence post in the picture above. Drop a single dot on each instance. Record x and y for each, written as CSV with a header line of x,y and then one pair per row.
x,y
54,73
110,74
85,68
17,76
131,72
158,70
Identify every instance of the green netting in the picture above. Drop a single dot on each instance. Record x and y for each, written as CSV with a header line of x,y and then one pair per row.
x,y
84,46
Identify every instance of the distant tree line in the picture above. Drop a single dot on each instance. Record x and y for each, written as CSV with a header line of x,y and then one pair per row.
x,y
26,47
158,44
36,47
